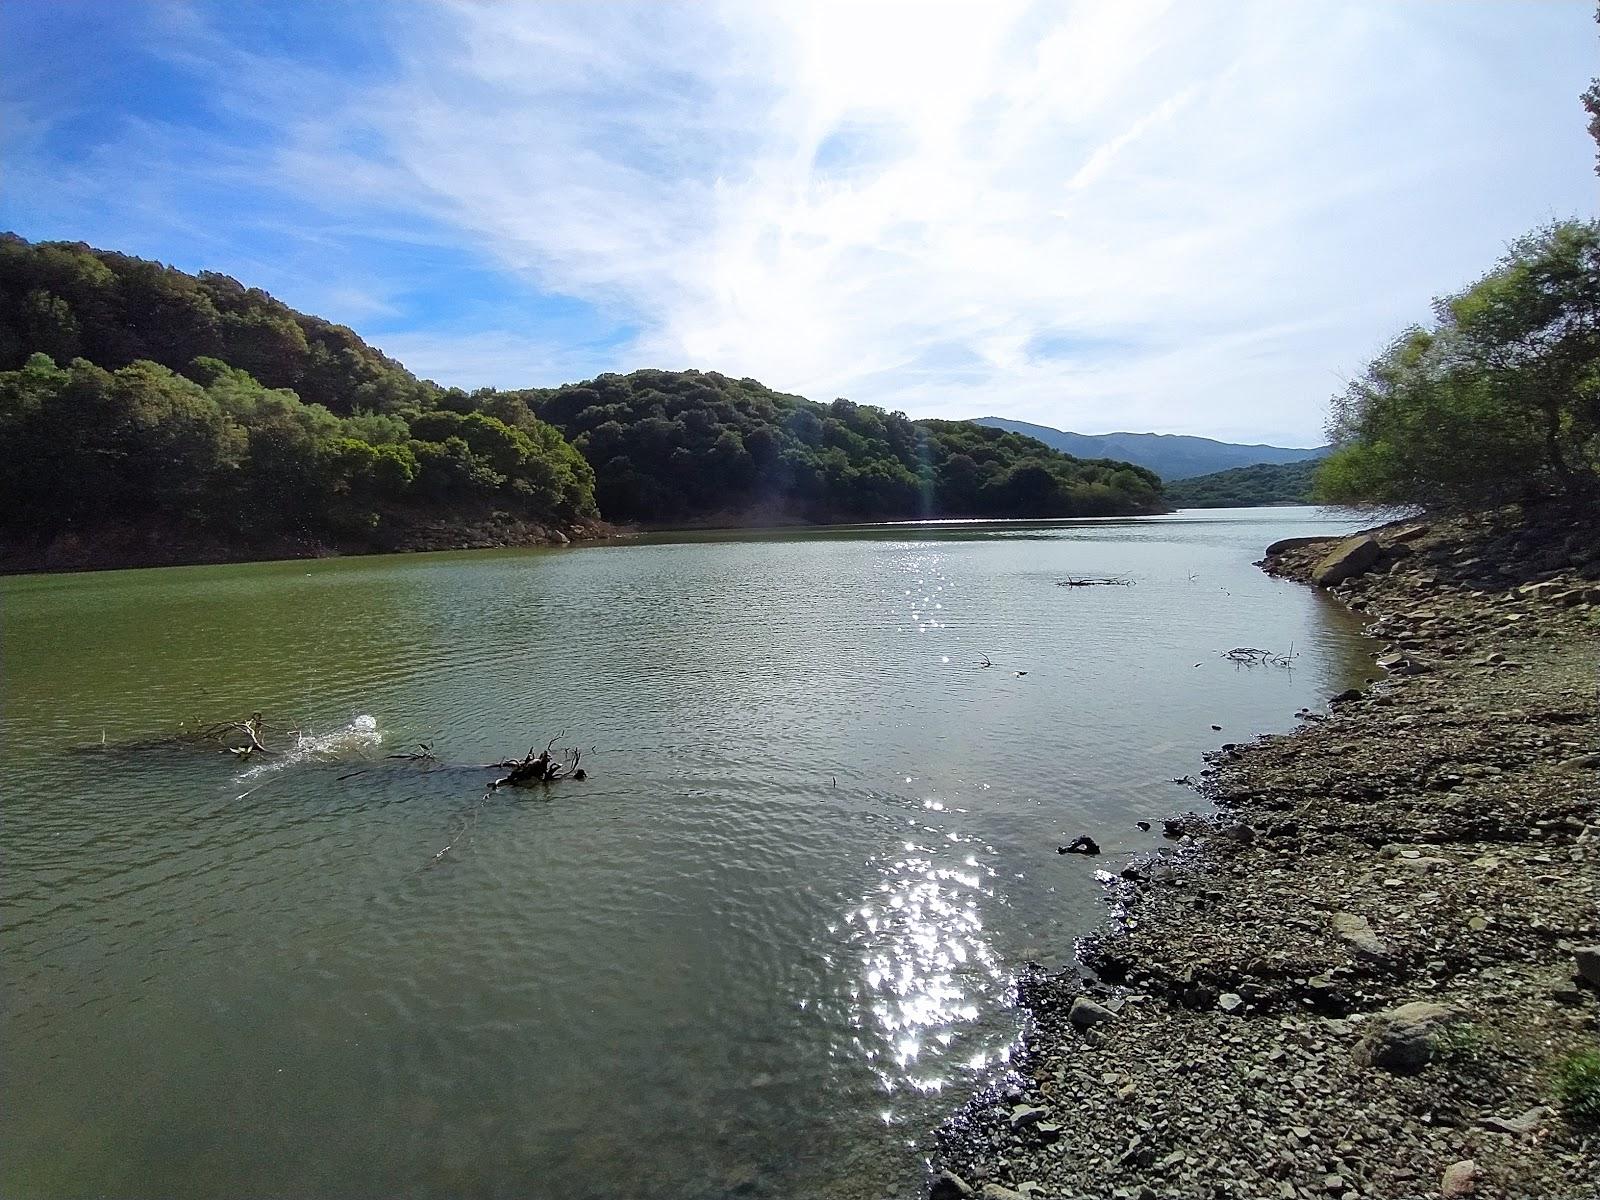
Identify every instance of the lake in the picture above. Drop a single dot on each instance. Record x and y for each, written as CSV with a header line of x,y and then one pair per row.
x,y
760,951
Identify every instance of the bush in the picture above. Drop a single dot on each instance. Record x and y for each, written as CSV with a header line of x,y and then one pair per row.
x,y
1578,1086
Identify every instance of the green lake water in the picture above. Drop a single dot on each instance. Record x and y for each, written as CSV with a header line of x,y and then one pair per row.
x,y
760,952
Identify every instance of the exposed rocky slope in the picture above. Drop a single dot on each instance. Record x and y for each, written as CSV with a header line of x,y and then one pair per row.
x,y
1360,975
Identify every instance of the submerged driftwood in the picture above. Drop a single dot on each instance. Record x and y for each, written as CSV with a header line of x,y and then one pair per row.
x,y
533,769
250,738
1095,581
1250,656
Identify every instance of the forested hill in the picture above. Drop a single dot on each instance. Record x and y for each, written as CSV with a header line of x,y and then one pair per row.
x,y
1246,487
182,417
147,415
669,446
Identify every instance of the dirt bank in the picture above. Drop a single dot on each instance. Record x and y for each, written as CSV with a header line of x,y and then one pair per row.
x,y
1434,840
157,544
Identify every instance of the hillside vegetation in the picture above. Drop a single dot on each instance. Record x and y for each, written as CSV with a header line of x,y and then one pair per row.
x,y
136,397
669,446
1496,401
1245,487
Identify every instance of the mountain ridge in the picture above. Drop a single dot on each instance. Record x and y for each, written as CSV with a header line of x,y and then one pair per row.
x,y
1172,456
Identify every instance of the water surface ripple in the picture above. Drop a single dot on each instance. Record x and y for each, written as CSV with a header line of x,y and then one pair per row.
x,y
759,952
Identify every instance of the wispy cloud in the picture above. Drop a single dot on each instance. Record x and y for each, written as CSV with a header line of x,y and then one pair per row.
x,y
1178,216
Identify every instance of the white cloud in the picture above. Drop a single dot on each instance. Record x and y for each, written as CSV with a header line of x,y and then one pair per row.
x,y
1224,205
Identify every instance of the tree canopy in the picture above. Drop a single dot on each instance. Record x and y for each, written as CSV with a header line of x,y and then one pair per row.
x,y
687,445
1497,401
131,391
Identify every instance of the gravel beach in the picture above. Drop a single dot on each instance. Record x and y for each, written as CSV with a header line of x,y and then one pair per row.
x,y
1362,970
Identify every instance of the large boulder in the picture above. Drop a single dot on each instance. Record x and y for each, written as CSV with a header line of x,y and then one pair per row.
x,y
1588,958
1351,557
1294,543
1460,1180
1401,1039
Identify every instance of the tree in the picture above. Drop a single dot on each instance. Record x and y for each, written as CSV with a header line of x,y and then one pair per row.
x,y
1499,400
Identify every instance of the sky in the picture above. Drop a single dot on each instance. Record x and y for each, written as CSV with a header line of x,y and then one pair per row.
x,y
1194,216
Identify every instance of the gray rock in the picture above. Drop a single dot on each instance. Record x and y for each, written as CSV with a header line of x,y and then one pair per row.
x,y
1023,1115
1230,1002
1588,959
1400,1039
1524,1123
1403,664
1282,544
1460,1179
1350,558
993,1191
947,1185
1359,934
1085,1014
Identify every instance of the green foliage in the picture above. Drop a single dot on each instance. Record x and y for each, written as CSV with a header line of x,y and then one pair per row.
x,y
1245,487
1498,402
672,446
1578,1086
130,391
1459,1042
134,392
68,300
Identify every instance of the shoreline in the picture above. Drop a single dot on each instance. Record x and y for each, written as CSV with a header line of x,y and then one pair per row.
x,y
1432,839
144,547
140,547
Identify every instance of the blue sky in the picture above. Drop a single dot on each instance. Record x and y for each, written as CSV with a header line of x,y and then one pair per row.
x,y
1182,216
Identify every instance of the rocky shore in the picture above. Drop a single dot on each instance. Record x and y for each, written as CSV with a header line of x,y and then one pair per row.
x,y
1368,970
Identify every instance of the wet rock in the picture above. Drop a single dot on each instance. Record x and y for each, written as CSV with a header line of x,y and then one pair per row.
x,y
1085,1014
1023,1115
1080,845
1350,558
1282,544
1400,1039
1404,664
1460,1179
947,1185
1346,696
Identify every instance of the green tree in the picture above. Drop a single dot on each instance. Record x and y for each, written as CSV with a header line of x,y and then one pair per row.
x,y
1498,401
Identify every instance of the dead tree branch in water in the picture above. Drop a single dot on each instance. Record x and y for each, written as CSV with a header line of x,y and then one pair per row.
x,y
1095,581
538,768
1250,656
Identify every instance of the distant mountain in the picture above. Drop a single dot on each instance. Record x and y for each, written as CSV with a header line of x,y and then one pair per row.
x,y
1246,487
1169,455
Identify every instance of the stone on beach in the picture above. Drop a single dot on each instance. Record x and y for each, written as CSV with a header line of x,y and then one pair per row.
x,y
1351,557
1085,1014
1401,1039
